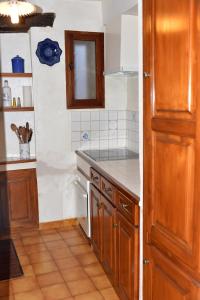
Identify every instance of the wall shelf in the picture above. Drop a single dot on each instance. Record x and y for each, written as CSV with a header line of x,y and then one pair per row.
x,y
16,75
16,109
15,160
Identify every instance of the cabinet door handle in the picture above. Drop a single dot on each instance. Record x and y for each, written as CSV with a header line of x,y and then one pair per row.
x,y
95,178
147,74
124,207
115,225
146,261
108,190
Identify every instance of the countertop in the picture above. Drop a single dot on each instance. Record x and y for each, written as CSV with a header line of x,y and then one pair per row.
x,y
124,173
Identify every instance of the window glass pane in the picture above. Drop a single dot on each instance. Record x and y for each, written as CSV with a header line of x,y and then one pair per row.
x,y
84,70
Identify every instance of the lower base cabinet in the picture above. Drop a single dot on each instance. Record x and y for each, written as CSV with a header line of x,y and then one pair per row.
x,y
18,198
127,249
115,241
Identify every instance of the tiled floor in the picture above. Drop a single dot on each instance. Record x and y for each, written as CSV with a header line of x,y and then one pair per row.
x,y
57,264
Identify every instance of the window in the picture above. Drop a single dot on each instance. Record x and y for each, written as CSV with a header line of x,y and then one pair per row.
x,y
84,69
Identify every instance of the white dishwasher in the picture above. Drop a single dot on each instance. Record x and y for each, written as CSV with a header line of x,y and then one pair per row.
x,y
82,193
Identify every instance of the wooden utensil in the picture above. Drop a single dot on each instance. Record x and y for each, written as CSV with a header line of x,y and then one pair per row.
x,y
16,130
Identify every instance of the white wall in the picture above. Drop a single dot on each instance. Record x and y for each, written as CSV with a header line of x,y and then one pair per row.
x,y
113,8
56,161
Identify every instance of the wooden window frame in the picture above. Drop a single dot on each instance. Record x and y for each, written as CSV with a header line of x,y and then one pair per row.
x,y
98,38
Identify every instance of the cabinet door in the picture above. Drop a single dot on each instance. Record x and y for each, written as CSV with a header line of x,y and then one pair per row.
x,y
96,221
4,210
127,259
109,238
171,147
22,197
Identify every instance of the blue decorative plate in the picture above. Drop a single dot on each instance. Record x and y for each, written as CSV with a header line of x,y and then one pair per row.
x,y
48,52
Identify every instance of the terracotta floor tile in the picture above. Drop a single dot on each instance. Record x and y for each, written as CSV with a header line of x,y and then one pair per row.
x,y
55,244
94,270
51,237
28,271
87,259
57,291
20,250
24,285
18,242
49,279
5,288
77,240
8,297
101,282
40,257
44,267
90,296
47,231
81,286
32,240
73,274
60,253
66,263
33,295
109,294
69,234
80,249
24,260
29,233
35,248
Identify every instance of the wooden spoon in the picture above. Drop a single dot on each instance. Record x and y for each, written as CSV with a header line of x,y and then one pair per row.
x,y
16,130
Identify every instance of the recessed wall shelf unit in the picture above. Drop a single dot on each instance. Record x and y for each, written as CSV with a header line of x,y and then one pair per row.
x,y
16,75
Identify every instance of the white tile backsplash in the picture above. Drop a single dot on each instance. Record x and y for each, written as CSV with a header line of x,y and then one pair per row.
x,y
103,125
76,116
113,125
106,129
95,125
95,115
85,125
112,115
85,116
104,115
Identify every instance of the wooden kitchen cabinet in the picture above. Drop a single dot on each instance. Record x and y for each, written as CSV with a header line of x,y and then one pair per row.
x,y
127,260
109,238
115,235
19,198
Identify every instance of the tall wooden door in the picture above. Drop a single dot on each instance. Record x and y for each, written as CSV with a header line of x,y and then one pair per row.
x,y
171,149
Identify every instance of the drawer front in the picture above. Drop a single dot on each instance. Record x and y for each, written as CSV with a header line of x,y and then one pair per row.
x,y
128,208
108,190
95,178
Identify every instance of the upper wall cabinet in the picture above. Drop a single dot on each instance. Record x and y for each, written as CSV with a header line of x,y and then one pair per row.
x,y
121,45
84,69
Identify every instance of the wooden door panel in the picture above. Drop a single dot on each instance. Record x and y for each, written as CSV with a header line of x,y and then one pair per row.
x,y
171,149
19,206
22,197
172,71
127,259
108,238
169,282
173,193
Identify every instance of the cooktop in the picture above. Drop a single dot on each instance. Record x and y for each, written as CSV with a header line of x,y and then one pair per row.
x,y
111,154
